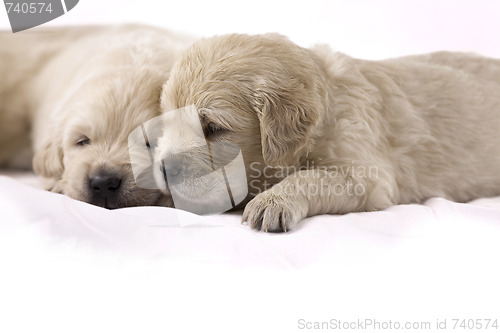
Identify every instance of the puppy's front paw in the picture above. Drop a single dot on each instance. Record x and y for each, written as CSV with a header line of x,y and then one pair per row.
x,y
52,185
269,211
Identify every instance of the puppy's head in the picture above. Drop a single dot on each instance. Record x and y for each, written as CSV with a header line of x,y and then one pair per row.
x,y
263,94
87,148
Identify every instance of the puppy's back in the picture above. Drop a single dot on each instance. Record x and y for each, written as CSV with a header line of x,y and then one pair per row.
x,y
447,107
473,64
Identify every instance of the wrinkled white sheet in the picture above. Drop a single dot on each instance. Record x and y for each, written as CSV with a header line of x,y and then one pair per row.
x,y
151,269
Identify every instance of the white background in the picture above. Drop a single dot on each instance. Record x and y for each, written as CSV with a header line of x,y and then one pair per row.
x,y
361,28
77,292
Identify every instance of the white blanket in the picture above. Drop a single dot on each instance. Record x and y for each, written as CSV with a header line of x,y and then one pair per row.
x,y
152,268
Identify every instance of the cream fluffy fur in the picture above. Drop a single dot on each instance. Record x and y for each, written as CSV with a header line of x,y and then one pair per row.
x,y
69,84
360,135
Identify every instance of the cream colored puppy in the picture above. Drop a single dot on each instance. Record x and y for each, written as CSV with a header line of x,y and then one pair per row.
x,y
322,132
82,91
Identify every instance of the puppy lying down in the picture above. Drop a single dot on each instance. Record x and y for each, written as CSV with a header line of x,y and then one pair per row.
x,y
82,90
321,132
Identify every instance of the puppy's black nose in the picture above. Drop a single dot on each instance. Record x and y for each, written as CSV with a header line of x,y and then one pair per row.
x,y
104,186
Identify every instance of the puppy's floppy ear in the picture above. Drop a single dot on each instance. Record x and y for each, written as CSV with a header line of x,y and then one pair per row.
x,y
287,115
47,161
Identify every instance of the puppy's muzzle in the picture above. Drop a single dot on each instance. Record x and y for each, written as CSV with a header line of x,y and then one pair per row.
x,y
197,162
104,188
171,166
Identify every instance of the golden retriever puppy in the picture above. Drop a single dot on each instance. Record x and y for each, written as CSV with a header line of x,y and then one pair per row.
x,y
81,91
321,132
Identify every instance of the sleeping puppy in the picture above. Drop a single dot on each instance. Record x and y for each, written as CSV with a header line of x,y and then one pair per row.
x,y
82,90
321,132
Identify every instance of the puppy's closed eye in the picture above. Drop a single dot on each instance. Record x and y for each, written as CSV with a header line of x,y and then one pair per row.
x,y
83,141
214,131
